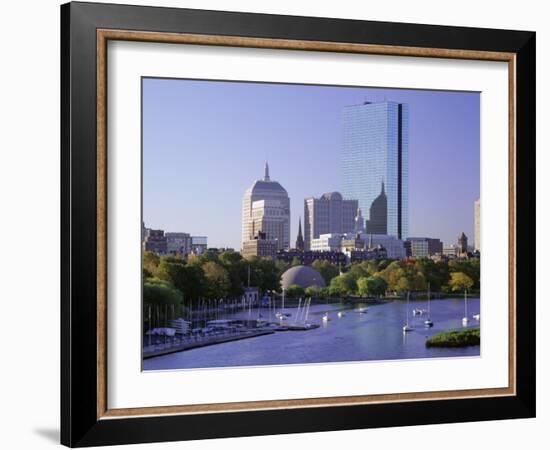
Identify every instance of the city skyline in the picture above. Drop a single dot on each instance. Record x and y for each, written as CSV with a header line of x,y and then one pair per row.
x,y
205,143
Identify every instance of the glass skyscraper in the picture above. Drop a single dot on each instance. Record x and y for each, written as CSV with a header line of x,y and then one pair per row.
x,y
375,159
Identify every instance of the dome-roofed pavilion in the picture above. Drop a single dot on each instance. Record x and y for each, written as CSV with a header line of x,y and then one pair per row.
x,y
303,276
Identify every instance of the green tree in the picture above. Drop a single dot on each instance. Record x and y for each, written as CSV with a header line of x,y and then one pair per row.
x,y
281,267
363,286
374,286
327,270
160,292
264,274
151,262
402,276
358,270
295,262
334,289
470,267
294,291
217,279
460,281
209,256
343,284
434,273
324,292
377,285
194,284
236,268
312,291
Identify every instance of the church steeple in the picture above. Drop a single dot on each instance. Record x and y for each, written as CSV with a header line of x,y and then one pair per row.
x,y
378,214
266,172
359,222
300,238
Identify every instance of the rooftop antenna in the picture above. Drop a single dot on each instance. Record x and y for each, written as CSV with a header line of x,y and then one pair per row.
x,y
266,171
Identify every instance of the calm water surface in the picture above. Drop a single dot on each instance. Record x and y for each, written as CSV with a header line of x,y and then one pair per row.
x,y
376,335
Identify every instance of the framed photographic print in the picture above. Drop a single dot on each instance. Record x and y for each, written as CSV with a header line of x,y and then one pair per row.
x,y
277,224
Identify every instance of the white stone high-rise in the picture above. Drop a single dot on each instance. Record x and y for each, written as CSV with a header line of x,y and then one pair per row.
x,y
266,209
477,231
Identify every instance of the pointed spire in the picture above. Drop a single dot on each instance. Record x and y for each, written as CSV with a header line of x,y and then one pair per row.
x,y
300,239
266,172
382,187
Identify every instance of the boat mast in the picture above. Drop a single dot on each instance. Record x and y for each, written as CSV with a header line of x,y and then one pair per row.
x,y
429,301
408,293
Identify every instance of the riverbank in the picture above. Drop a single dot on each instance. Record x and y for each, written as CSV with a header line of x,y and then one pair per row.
x,y
457,338
178,346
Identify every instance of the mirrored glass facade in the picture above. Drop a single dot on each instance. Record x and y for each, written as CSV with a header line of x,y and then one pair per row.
x,y
375,151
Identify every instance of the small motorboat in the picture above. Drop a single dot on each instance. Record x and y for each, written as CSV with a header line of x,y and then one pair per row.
x,y
476,316
340,314
428,323
407,328
362,310
325,317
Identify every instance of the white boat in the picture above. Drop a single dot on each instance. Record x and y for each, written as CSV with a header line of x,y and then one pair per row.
x,y
417,312
465,320
407,327
340,314
325,317
476,316
428,322
362,310
282,316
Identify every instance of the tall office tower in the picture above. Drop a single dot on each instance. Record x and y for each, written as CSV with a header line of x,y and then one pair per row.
x,y
266,209
328,214
477,233
375,151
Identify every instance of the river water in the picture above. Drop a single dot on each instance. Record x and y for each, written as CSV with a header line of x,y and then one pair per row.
x,y
375,335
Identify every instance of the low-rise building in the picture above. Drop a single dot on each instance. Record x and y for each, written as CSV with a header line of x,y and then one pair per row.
x,y
259,246
178,243
378,252
155,241
423,247
306,258
329,242
199,244
395,248
450,251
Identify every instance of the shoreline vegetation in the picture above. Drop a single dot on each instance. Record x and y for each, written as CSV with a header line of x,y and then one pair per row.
x,y
190,280
455,338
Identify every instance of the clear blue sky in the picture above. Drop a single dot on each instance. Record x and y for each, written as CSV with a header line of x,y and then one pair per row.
x,y
205,142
